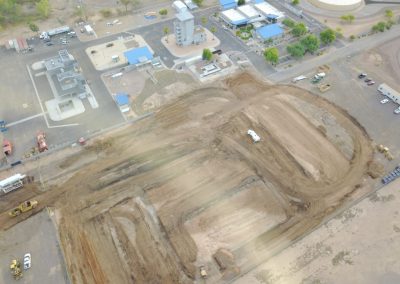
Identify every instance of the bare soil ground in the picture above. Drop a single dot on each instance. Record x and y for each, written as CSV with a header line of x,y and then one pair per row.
x,y
169,192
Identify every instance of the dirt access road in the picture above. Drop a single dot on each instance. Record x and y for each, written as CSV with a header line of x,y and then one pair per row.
x,y
187,186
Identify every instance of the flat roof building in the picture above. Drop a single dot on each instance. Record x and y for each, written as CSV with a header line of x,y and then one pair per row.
x,y
138,55
269,32
233,17
63,74
391,93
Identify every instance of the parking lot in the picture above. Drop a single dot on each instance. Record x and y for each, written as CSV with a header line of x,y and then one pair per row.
x,y
24,110
362,101
36,235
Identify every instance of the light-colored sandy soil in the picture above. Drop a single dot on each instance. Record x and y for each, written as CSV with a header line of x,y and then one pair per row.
x,y
168,192
356,247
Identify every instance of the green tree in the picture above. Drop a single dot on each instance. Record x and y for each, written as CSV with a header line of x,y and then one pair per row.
x,y
163,12
43,8
310,43
207,54
33,27
198,2
379,27
166,32
289,23
349,18
241,2
327,36
213,31
272,55
203,21
296,50
389,14
295,2
299,29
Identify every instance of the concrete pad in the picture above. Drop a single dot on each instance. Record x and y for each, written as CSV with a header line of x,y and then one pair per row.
x,y
60,110
101,55
192,50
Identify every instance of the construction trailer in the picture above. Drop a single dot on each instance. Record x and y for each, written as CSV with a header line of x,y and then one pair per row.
x,y
11,183
389,92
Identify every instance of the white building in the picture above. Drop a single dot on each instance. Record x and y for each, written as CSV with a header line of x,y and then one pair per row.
x,y
186,33
233,18
270,12
179,6
249,11
389,92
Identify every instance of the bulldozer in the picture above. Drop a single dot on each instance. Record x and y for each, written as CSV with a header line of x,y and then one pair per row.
x,y
23,207
15,268
385,151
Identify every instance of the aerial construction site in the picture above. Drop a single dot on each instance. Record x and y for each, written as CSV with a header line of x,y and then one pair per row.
x,y
187,188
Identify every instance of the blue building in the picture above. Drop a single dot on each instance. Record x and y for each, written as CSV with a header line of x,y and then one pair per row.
x,y
269,32
227,4
138,55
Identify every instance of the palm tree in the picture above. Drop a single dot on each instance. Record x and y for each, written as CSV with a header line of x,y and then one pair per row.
x,y
213,30
166,32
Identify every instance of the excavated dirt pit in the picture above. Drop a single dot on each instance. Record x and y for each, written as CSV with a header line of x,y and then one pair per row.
x,y
172,190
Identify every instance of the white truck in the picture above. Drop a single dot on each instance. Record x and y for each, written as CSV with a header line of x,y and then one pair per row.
x,y
53,32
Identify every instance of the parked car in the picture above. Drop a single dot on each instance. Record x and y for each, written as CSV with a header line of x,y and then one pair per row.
x,y
27,261
49,43
367,80
397,111
370,83
384,101
362,75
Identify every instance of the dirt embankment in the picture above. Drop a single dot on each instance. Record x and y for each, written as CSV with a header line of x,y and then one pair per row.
x,y
170,192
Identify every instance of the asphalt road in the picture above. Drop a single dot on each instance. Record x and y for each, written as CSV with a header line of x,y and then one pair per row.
x,y
349,50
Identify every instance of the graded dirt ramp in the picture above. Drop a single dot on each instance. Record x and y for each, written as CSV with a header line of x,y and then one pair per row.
x,y
187,184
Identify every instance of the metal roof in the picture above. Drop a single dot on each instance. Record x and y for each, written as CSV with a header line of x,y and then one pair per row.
x,y
138,55
227,2
269,31
234,17
248,11
268,9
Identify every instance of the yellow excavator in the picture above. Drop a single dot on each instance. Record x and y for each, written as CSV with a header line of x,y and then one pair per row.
x,y
23,207
15,268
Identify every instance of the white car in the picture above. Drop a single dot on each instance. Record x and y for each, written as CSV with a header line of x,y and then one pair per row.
x,y
397,110
384,101
27,261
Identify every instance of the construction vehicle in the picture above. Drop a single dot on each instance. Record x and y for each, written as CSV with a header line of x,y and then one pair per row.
x,y
203,272
41,141
7,147
324,87
385,151
23,207
15,268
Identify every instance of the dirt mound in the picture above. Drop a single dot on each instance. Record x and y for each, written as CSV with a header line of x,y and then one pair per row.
x,y
169,192
375,169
